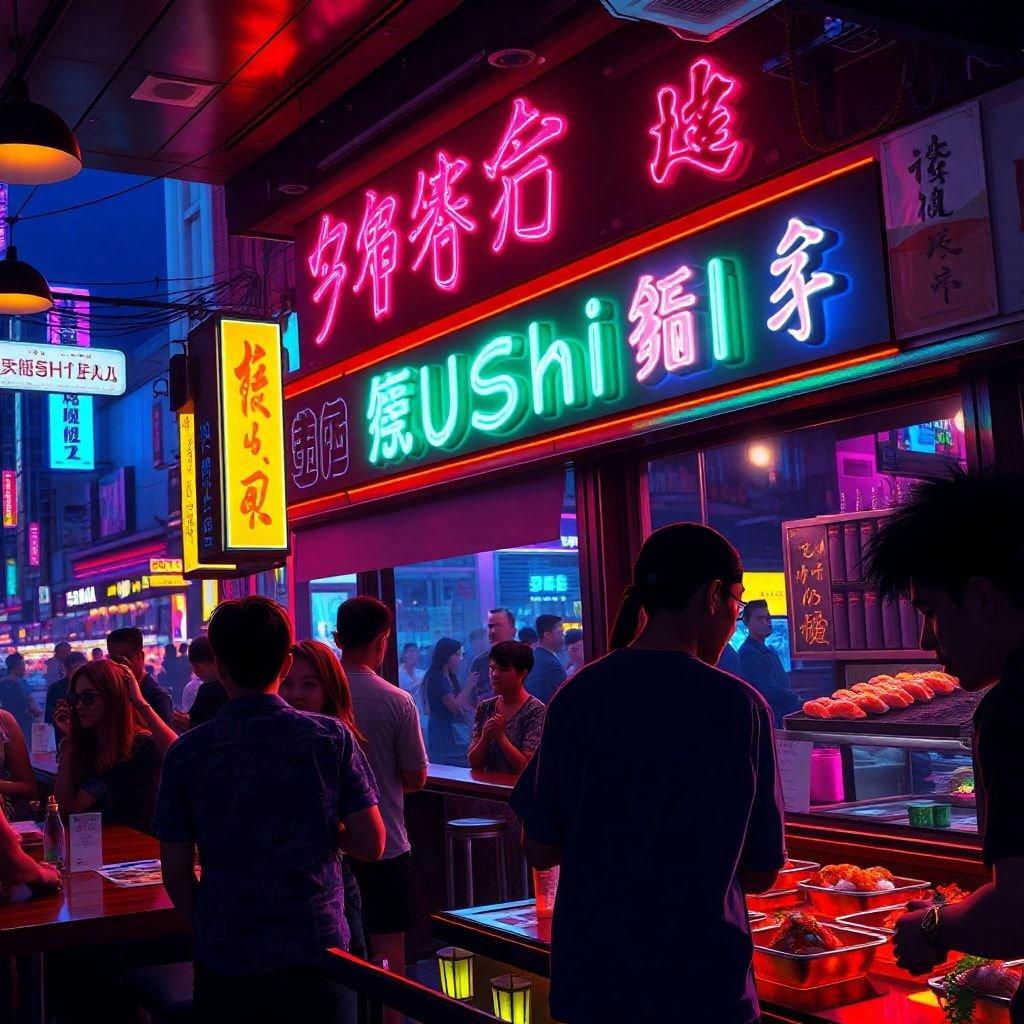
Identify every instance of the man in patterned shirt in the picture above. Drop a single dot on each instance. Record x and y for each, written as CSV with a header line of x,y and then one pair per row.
x,y
269,796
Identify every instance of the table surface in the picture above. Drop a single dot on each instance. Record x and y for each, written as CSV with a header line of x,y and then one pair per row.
x,y
90,910
442,778
512,933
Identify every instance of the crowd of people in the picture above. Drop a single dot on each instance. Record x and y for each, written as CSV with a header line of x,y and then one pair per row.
x,y
291,793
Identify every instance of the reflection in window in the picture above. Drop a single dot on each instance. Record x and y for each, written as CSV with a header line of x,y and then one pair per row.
x,y
450,599
752,492
325,595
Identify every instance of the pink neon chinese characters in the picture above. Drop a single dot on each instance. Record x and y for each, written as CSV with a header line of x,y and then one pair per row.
x,y
327,265
791,266
697,131
664,339
438,217
518,159
378,243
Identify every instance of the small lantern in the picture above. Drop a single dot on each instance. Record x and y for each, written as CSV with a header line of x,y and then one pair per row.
x,y
456,969
511,995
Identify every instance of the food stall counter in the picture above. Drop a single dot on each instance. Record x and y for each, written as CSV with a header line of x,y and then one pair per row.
x,y
453,781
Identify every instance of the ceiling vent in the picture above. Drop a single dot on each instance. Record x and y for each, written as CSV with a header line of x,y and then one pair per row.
x,y
511,59
173,92
696,19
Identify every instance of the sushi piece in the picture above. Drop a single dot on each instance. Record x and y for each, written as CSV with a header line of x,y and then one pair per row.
x,y
893,698
871,703
845,709
917,689
881,680
844,695
816,709
938,682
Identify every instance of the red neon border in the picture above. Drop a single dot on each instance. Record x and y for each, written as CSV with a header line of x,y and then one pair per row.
x,y
682,227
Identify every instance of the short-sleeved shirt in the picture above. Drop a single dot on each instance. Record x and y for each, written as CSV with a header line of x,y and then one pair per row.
x,y
652,825
210,698
158,698
523,730
388,718
443,741
14,698
260,790
126,793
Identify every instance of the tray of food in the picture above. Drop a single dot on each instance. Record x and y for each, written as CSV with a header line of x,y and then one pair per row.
x,y
884,920
785,894
840,889
978,990
801,952
928,704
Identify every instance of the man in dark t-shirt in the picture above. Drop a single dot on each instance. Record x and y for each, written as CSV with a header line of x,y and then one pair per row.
x,y
957,549
211,696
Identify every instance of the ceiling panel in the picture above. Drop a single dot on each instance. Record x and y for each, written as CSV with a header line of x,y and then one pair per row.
x,y
67,86
102,31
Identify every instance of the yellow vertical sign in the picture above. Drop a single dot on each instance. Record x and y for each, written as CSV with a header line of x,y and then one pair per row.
x,y
190,497
249,377
211,596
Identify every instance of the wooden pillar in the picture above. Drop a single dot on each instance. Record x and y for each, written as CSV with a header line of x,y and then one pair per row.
x,y
994,417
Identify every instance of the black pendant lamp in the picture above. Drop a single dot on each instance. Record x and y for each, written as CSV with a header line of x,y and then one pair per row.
x,y
23,290
36,146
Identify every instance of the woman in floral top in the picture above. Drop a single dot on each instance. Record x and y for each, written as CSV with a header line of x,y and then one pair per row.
x,y
508,726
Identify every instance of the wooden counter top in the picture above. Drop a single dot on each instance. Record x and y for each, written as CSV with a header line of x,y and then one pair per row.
x,y
442,778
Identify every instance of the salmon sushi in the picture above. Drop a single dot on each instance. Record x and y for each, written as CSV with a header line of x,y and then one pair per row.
x,y
894,698
871,703
845,709
917,689
938,682
816,709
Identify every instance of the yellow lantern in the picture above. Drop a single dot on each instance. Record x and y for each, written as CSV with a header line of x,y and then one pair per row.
x,y
456,969
511,995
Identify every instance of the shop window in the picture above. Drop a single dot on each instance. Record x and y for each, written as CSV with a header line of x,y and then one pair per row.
x,y
831,631
325,595
449,600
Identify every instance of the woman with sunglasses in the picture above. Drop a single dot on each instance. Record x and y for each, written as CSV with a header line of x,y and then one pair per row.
x,y
110,761
316,683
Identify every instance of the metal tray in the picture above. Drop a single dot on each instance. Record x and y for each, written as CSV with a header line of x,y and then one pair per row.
x,y
776,899
885,959
798,871
810,970
987,1009
754,917
835,903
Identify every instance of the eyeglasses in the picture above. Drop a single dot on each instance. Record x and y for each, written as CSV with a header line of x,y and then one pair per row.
x,y
740,603
86,698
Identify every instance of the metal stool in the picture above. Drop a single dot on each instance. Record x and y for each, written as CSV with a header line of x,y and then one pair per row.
x,y
466,831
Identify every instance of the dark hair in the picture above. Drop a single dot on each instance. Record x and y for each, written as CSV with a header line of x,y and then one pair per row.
x,y
573,636
546,624
73,660
759,604
14,661
126,635
200,651
410,646
512,654
504,611
59,644
360,621
337,695
95,651
673,564
528,633
251,638
952,529
443,650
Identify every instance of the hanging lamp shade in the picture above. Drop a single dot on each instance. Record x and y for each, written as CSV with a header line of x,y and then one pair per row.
x,y
23,290
36,146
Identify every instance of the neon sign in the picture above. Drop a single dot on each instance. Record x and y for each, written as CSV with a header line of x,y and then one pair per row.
x,y
698,130
708,310
525,210
35,544
10,497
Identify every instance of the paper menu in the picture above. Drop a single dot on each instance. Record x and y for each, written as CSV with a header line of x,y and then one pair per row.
x,y
86,841
794,757
44,740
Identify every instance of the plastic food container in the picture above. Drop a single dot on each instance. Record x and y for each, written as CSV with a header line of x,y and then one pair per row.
x,y
811,970
987,1009
885,958
833,903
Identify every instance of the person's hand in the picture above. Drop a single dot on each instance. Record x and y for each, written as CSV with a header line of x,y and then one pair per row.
x,y
62,716
914,953
135,692
41,879
497,724
473,680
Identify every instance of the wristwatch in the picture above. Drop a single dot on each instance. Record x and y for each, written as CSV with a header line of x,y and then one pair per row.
x,y
930,928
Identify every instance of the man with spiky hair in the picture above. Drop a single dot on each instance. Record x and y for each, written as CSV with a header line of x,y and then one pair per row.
x,y
956,549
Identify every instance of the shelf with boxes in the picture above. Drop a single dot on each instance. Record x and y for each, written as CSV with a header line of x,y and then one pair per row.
x,y
835,614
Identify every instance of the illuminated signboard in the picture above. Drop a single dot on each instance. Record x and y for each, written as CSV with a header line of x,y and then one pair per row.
x,y
72,434
12,577
794,282
194,506
9,482
80,597
249,375
210,598
122,589
165,565
35,544
78,371
167,579
766,586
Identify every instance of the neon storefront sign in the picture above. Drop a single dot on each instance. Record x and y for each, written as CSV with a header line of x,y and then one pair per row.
x,y
797,281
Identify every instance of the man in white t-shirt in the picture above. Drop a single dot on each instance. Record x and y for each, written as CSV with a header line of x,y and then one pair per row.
x,y
388,718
